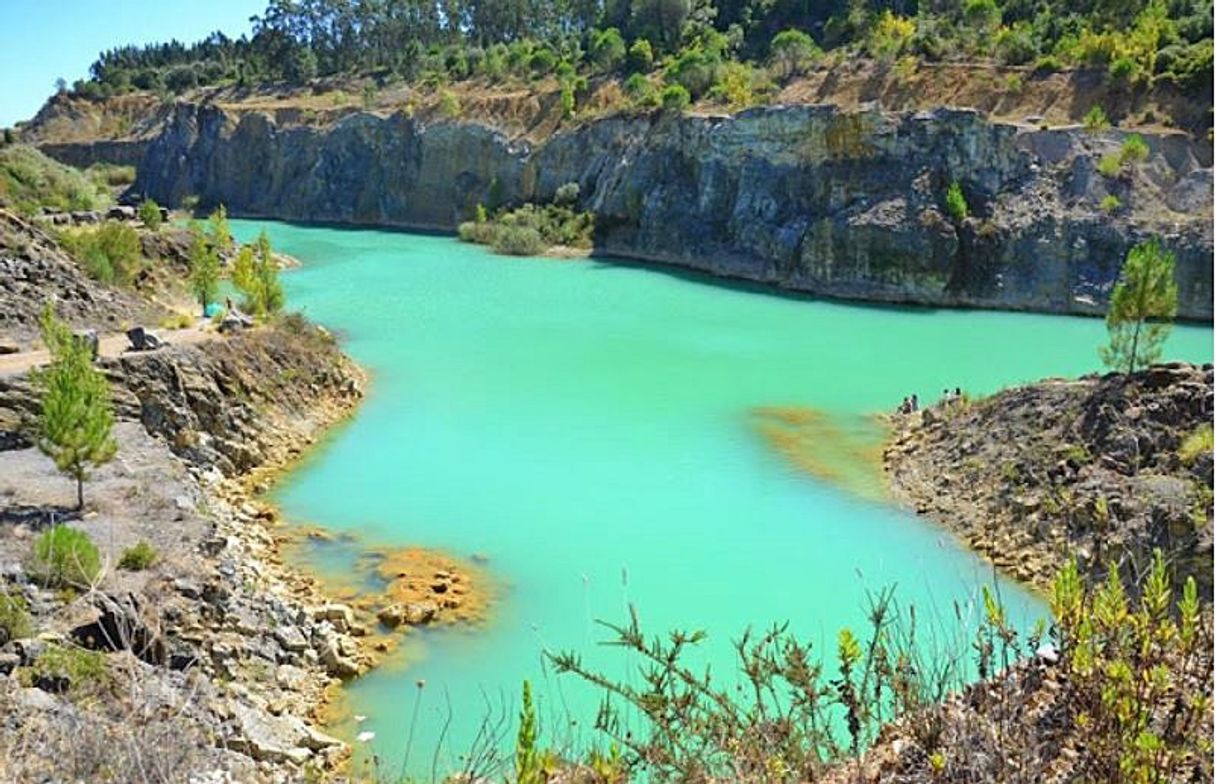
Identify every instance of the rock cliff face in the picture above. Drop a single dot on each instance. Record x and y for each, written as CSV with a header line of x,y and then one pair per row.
x,y
810,198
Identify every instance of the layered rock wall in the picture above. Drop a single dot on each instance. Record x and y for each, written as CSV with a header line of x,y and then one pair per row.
x,y
810,198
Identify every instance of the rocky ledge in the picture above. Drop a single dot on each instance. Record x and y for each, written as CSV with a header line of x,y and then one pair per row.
x,y
216,660
1099,468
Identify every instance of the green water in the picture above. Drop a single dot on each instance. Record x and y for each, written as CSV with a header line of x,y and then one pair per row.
x,y
585,427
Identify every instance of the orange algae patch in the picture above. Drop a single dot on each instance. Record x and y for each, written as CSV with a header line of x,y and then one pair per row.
x,y
396,587
416,575
843,450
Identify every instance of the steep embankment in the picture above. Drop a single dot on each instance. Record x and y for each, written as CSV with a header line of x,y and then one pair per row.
x,y
35,270
816,199
1098,468
216,657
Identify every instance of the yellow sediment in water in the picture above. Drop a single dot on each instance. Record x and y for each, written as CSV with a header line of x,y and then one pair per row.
x,y
416,574
845,450
459,590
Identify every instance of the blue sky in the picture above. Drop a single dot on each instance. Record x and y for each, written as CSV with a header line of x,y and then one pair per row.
x,y
42,40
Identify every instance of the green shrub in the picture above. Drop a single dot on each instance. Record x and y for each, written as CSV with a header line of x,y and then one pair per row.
x,y
1190,67
1130,661
740,85
478,232
519,241
110,253
1096,49
150,214
110,175
1016,45
957,206
531,229
30,181
982,15
567,99
138,557
1109,165
890,35
64,555
1096,119
1134,149
1110,204
542,61
1199,442
1047,64
567,194
695,69
1132,674
641,91
82,669
256,275
14,617
607,49
640,58
449,105
792,52
1124,69
529,768
674,99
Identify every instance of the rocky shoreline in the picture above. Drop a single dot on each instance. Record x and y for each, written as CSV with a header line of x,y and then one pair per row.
x,y
1094,469
242,649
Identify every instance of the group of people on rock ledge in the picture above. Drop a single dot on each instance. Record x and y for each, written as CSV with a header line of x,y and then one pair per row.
x,y
909,405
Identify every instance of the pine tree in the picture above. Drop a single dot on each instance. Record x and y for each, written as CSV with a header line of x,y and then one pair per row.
x,y
256,274
1142,308
219,234
204,268
76,417
267,272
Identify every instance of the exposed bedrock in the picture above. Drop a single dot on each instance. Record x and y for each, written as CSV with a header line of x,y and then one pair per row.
x,y
810,198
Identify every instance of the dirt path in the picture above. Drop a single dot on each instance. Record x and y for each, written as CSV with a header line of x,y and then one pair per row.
x,y
107,346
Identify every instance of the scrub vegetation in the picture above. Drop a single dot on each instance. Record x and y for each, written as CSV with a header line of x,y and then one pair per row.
x,y
109,252
1123,677
532,229
733,52
30,181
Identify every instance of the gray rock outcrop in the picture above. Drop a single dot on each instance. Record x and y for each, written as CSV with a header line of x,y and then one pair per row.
x,y
810,198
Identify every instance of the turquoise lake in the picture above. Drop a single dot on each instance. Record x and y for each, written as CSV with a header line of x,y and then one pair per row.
x,y
585,427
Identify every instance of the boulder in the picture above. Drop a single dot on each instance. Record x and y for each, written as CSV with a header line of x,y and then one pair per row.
x,y
268,738
26,649
419,613
340,615
392,616
290,677
291,639
9,662
337,653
